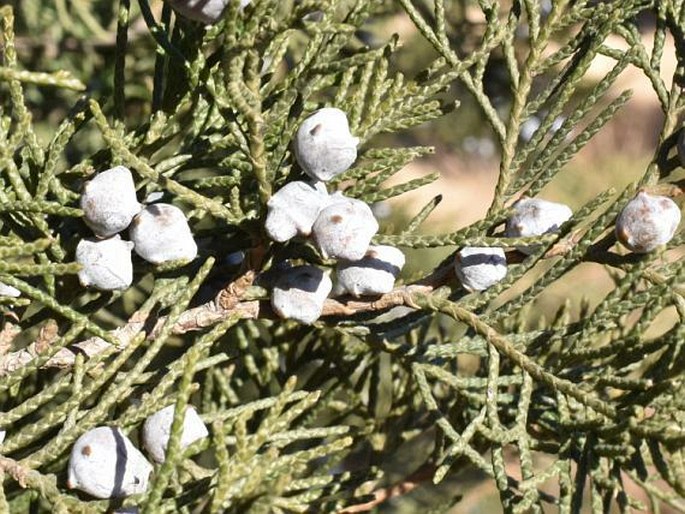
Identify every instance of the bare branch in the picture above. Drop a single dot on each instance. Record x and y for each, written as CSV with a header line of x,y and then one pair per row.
x,y
227,303
399,489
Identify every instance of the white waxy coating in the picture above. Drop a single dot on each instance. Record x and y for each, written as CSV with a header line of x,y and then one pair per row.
x,y
480,268
535,217
646,222
109,201
161,234
344,229
205,11
324,146
106,263
293,210
374,274
6,290
105,464
300,293
153,197
157,430
3,434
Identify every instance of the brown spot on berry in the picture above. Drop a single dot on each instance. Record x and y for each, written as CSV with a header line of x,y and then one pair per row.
x,y
164,215
336,218
644,211
622,235
372,254
86,450
315,130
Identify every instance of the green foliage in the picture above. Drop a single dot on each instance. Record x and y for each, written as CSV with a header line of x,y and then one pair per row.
x,y
320,418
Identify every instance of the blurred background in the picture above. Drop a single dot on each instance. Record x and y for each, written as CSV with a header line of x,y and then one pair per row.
x,y
467,158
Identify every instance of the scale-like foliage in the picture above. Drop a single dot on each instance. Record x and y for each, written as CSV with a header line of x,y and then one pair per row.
x,y
428,379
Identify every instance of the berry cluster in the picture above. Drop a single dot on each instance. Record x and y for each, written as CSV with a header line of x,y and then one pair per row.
x,y
159,232
645,223
341,227
105,463
480,268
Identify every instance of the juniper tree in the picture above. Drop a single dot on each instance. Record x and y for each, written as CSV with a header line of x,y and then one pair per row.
x,y
320,417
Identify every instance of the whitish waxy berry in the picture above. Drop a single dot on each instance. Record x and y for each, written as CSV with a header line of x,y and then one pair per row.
x,y
204,11
105,464
157,430
109,201
293,210
535,217
6,290
343,229
374,274
324,146
161,234
105,263
646,222
300,293
480,268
